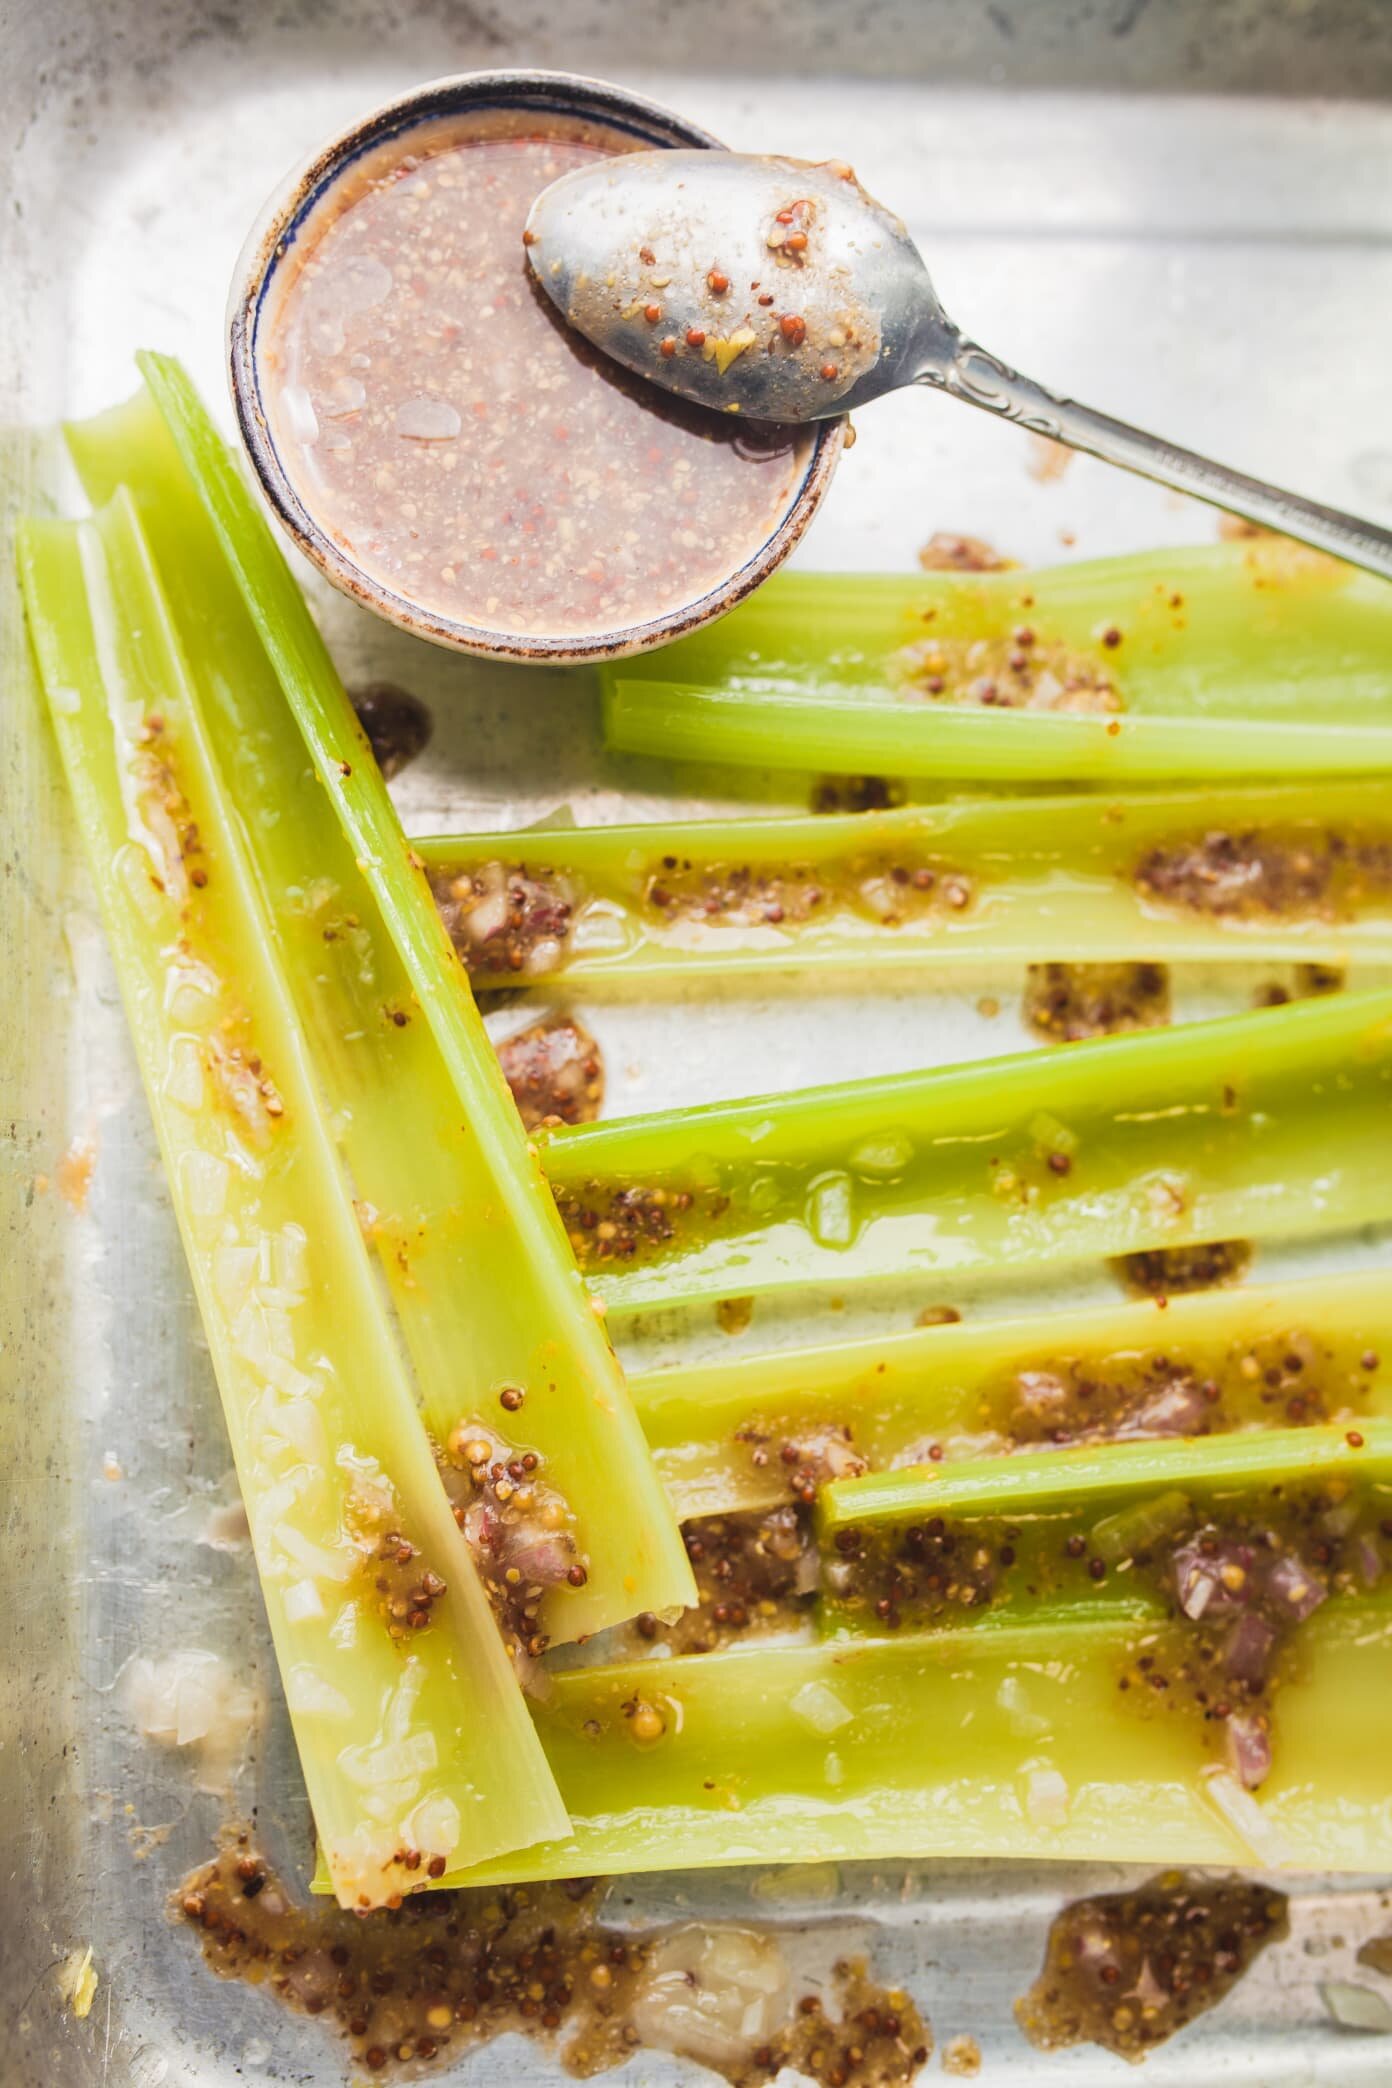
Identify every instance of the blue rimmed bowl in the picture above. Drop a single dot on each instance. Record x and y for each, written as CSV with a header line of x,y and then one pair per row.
x,y
286,218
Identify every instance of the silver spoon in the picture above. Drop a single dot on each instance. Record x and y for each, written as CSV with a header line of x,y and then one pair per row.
x,y
781,290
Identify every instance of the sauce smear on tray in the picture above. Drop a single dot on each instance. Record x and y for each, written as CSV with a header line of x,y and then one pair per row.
x,y
468,452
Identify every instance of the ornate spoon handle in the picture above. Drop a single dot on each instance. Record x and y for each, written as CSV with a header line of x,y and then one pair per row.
x,y
971,373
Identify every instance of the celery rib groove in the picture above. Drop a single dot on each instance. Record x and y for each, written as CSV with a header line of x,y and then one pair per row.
x,y
860,1751
1070,879
950,1386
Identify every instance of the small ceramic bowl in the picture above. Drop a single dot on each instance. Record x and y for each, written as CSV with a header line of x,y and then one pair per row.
x,y
283,221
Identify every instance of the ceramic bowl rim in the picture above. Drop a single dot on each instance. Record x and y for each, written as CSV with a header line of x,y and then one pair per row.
x,y
272,237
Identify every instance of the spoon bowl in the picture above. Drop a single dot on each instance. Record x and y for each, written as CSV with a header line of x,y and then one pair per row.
x,y
781,289
771,287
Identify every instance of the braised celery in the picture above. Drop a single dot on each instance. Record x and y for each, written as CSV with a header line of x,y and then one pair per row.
x,y
413,1736
1075,1482
486,1289
1235,1542
1005,1741
1316,1349
1287,872
1236,660
1125,1721
1269,1125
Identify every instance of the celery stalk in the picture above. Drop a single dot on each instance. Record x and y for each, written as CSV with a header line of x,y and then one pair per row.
x,y
1006,1741
1032,1731
410,1742
1268,1125
487,1292
1075,1480
950,1385
1097,1523
1231,661
1013,879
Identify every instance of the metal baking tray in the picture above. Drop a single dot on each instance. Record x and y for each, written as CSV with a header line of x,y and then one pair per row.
x,y
1179,211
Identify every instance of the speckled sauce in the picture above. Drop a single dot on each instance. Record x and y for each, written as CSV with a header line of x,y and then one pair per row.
x,y
520,1528
1065,1003
1019,671
948,552
1299,873
755,1571
1051,1396
398,725
461,446
1228,1582
525,919
1125,1970
1165,1272
885,890
555,1071
422,1986
608,1224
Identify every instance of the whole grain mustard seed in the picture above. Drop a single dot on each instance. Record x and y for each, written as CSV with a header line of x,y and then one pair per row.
x,y
646,1722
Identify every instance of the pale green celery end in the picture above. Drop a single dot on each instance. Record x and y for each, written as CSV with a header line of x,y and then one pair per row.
x,y
95,674
988,820
1074,1476
595,1448
1090,591
903,1387
1234,660
682,723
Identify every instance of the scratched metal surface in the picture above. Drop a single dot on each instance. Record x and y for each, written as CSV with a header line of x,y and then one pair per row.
x,y
1180,212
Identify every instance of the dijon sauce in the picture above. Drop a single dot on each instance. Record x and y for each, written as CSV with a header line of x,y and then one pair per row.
x,y
469,453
